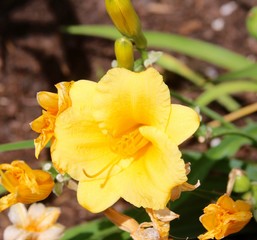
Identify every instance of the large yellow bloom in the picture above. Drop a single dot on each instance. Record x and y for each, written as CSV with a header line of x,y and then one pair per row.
x,y
24,184
224,217
119,138
53,104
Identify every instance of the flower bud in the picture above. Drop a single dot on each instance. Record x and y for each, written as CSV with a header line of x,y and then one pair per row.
x,y
124,53
242,184
126,20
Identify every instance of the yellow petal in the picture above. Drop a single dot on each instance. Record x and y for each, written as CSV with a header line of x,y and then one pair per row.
x,y
237,222
176,192
45,126
80,147
43,217
54,232
26,195
209,220
41,141
97,195
242,206
224,218
18,215
48,101
126,100
7,201
162,170
26,185
183,122
13,233
149,180
63,95
206,236
122,221
226,203
38,124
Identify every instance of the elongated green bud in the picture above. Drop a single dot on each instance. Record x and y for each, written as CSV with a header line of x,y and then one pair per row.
x,y
124,53
126,20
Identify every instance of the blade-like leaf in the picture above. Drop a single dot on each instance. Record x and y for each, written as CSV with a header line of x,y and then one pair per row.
x,y
95,230
195,48
249,72
17,145
172,64
224,89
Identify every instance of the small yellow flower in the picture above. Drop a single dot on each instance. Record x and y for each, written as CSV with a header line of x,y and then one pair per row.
x,y
53,104
224,218
36,223
24,184
120,137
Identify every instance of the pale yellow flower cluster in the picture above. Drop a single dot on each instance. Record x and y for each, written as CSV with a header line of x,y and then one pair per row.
x,y
36,223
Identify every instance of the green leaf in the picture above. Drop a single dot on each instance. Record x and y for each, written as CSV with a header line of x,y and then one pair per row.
x,y
249,72
251,22
2,190
251,170
172,64
225,88
28,144
195,48
231,144
95,230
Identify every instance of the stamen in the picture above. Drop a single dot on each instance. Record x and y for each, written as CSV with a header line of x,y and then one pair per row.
x,y
101,171
109,174
125,146
111,165
128,144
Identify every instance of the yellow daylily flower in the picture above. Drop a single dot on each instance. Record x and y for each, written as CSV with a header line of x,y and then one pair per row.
x,y
53,104
224,217
36,223
24,184
120,137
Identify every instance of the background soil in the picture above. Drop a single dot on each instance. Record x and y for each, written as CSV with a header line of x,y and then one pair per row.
x,y
35,55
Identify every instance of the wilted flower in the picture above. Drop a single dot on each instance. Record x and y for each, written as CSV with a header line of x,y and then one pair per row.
x,y
24,184
36,223
157,229
119,138
53,104
224,217
184,187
